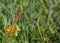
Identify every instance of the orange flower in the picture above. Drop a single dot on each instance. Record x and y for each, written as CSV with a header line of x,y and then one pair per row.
x,y
14,29
8,28
14,32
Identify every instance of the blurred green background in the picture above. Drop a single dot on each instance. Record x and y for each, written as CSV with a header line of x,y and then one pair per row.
x,y
38,20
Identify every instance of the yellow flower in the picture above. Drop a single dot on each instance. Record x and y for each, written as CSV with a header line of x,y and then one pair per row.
x,y
14,29
8,28
14,32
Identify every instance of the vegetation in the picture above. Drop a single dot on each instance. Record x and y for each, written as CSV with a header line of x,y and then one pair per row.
x,y
29,21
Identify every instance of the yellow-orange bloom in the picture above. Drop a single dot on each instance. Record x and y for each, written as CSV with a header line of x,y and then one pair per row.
x,y
14,29
8,28
14,32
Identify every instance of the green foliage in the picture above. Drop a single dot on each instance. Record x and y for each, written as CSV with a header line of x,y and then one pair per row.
x,y
39,22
